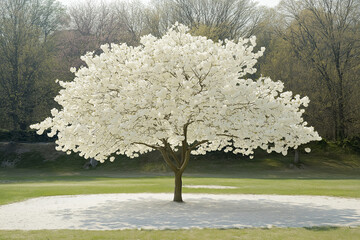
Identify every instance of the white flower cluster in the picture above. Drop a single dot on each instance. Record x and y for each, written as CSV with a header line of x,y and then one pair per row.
x,y
129,99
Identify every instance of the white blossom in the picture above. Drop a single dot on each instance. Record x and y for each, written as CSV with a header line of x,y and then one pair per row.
x,y
127,100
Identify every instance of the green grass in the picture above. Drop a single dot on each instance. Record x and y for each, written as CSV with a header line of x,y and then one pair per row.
x,y
328,233
326,171
21,189
332,171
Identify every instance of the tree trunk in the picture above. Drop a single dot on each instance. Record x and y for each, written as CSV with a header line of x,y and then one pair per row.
x,y
176,163
296,158
341,124
178,188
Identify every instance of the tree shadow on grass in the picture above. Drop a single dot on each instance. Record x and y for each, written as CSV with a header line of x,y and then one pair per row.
x,y
211,213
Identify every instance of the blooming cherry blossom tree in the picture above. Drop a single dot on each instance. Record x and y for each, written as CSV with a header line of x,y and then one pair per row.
x,y
180,95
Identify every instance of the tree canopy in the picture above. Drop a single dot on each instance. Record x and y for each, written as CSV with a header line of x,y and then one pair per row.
x,y
179,93
130,100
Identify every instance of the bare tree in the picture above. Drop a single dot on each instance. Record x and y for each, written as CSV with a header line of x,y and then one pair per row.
x,y
97,19
158,17
326,33
240,17
226,19
131,16
49,15
25,26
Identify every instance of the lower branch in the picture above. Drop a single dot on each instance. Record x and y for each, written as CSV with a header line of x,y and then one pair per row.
x,y
168,161
192,147
148,145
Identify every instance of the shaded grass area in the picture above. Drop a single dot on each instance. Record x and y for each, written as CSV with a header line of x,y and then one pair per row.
x,y
328,233
328,170
17,190
330,162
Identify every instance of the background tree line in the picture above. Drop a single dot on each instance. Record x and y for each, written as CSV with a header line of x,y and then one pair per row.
x,y
311,45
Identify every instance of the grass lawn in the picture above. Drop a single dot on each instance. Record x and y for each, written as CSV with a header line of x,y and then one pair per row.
x,y
20,188
17,190
330,173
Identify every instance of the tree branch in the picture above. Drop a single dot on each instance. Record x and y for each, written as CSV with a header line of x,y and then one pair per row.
x,y
172,153
198,144
185,162
226,135
148,145
167,160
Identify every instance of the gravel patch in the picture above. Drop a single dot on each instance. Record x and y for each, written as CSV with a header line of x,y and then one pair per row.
x,y
157,211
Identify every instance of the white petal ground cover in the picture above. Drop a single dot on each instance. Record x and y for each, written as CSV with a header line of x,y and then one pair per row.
x,y
157,211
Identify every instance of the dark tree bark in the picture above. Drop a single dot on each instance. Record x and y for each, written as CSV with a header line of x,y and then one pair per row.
x,y
178,188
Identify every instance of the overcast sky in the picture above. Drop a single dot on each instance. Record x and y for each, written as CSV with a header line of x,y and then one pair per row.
x,y
269,3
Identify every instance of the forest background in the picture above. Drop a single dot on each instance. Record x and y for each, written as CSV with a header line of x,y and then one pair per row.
x,y
313,46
